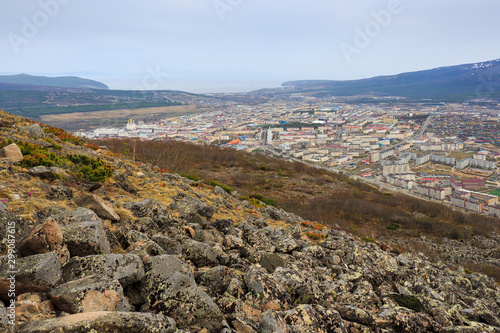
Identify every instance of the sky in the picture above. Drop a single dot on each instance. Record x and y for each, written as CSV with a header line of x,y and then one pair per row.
x,y
241,45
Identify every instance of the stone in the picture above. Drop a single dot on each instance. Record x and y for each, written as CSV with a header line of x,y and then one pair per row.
x,y
187,304
271,261
269,293
126,268
46,237
189,205
34,131
200,254
35,273
79,214
169,245
99,206
59,193
165,266
86,238
42,172
3,207
217,279
10,222
12,152
90,294
103,321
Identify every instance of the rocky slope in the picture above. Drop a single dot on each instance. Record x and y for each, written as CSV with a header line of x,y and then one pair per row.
x,y
133,248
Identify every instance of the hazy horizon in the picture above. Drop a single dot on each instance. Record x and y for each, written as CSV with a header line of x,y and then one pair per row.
x,y
238,45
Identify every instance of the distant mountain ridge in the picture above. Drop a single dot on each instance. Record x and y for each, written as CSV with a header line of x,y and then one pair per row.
x,y
469,81
31,82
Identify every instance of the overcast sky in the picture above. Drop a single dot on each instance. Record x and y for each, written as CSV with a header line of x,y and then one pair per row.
x,y
241,45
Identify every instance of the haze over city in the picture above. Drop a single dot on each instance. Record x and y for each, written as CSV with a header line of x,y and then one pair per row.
x,y
228,46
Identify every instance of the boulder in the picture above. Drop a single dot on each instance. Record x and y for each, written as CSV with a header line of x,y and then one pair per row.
x,y
12,222
271,261
103,321
165,266
59,193
79,214
200,254
3,207
126,268
46,237
12,152
90,294
99,206
189,206
86,238
217,280
35,273
33,131
266,291
180,298
42,172
169,245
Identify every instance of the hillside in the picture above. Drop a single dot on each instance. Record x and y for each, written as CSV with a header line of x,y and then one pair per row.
x,y
107,244
462,82
31,82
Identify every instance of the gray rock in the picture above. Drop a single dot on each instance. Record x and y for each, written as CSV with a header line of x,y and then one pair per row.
x,y
126,268
169,245
185,302
42,172
59,193
90,294
165,266
34,131
266,288
104,321
22,228
86,238
200,254
271,261
12,152
35,273
189,205
79,214
102,208
217,279
3,207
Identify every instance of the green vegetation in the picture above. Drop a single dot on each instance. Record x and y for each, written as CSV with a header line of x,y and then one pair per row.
x,y
224,186
369,240
265,200
408,301
393,226
192,177
81,166
91,169
495,192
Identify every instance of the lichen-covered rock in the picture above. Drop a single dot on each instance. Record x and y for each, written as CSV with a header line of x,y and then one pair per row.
x,y
12,152
79,214
42,172
47,237
104,321
35,273
271,261
86,238
165,266
200,254
90,294
181,299
217,279
34,131
313,318
284,240
126,268
189,205
12,222
169,245
59,193
265,291
102,208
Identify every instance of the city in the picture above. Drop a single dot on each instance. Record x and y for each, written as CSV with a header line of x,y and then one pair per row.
x,y
444,152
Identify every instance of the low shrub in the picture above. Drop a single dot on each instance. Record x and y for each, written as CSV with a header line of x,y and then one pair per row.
x,y
90,169
192,177
265,200
224,186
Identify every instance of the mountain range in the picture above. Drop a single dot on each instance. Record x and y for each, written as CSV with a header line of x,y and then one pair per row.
x,y
462,82
30,82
